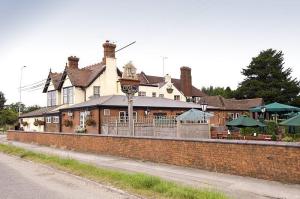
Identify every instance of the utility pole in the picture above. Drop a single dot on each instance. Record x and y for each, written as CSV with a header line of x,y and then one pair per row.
x,y
163,60
20,90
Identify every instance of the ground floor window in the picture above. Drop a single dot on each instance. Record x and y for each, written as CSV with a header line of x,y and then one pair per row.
x,y
123,116
55,119
82,119
48,120
161,95
141,93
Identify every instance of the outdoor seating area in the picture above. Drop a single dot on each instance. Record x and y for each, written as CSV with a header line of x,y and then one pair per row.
x,y
273,122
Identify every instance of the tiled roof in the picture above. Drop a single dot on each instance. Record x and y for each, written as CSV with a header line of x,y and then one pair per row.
x,y
148,79
83,77
232,104
138,101
55,77
39,112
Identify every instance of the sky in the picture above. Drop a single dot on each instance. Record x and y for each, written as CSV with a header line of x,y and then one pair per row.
x,y
216,38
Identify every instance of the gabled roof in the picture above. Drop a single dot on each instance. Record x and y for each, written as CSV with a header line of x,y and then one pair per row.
x,y
138,101
82,77
232,104
150,80
53,78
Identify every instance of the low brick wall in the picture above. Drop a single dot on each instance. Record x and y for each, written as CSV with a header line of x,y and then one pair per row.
x,y
267,160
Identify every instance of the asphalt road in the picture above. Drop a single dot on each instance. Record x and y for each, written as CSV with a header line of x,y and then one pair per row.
x,y
21,179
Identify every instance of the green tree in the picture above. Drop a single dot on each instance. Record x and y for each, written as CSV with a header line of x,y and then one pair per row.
x,y
8,117
2,100
31,108
15,107
213,91
266,77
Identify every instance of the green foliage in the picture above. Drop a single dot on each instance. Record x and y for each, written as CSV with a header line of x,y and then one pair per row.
x,y
273,137
23,108
2,100
213,91
272,127
142,184
249,131
287,139
8,117
267,78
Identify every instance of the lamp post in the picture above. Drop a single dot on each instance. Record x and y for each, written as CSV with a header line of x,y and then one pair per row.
x,y
204,107
20,90
130,85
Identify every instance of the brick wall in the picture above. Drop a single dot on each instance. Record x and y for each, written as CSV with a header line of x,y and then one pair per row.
x,y
266,160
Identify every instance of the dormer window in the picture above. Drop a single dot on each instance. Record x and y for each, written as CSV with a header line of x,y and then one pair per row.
x,y
68,95
51,98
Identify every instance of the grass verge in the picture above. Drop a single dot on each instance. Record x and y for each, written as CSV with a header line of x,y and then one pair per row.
x,y
145,185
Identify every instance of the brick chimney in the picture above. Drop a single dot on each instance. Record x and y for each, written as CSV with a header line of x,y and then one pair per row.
x,y
73,62
109,50
186,81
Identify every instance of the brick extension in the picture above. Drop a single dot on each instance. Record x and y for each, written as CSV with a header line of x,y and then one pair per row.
x,y
266,160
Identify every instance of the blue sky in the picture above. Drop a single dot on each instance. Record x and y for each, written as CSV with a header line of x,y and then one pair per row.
x,y
215,38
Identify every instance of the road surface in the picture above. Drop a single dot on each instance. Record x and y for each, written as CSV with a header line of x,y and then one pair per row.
x,y
28,180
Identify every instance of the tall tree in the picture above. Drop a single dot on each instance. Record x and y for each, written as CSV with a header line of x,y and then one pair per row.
x,y
266,77
213,91
2,100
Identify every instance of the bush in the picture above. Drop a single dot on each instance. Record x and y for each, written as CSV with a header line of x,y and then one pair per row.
x,y
273,138
272,128
288,139
249,131
25,123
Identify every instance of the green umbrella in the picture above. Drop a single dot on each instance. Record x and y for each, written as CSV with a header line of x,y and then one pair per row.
x,y
294,121
193,115
276,107
244,121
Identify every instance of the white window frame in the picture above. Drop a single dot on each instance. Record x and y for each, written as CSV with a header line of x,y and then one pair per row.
x,y
124,118
55,119
68,94
82,118
51,98
96,90
106,112
48,119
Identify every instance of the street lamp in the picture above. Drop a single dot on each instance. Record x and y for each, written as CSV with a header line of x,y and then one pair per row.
x,y
20,90
204,107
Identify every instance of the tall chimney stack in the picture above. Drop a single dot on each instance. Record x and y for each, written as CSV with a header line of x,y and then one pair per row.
x,y
186,81
109,50
73,62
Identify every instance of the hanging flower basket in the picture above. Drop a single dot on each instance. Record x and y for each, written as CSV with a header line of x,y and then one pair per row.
x,y
90,122
68,123
170,90
25,123
80,130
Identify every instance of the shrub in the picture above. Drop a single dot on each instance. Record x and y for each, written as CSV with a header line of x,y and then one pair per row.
x,y
39,123
272,128
249,131
287,139
273,137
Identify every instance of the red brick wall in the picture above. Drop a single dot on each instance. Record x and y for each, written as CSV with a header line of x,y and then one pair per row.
x,y
272,161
